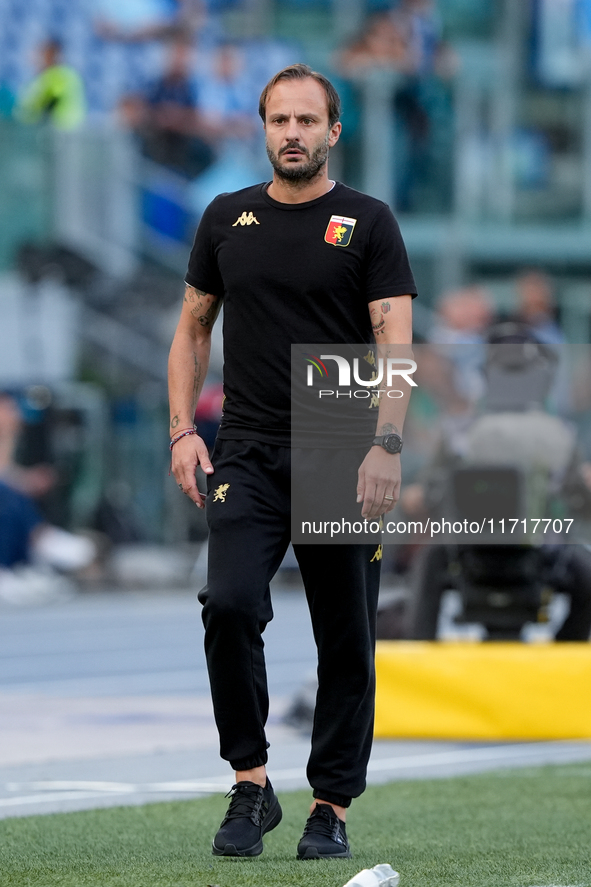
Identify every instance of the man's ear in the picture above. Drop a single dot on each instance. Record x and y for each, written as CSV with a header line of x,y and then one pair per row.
x,y
334,133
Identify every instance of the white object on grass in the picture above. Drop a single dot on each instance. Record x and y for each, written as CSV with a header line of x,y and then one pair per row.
x,y
379,876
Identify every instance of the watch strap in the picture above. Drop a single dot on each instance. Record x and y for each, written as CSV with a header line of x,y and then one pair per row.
x,y
379,441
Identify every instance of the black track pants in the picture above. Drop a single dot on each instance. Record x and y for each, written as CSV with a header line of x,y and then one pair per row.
x,y
248,512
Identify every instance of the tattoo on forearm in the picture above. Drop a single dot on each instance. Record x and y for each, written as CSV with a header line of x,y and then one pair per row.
x,y
174,422
388,428
196,377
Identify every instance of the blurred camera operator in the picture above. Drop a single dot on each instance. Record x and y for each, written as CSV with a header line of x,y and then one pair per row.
x,y
514,430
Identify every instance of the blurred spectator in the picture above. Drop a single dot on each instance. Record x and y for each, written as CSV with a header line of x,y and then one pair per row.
x,y
19,519
25,535
382,44
424,106
463,317
407,41
150,21
56,94
536,306
450,376
226,101
420,24
33,480
166,118
228,105
18,516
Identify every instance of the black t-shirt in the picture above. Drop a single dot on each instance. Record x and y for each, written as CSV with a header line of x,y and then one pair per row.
x,y
291,273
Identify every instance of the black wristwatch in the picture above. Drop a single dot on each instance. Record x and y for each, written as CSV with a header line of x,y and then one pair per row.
x,y
392,443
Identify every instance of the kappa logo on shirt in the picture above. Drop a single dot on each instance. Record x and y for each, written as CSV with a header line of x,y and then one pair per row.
x,y
340,230
246,219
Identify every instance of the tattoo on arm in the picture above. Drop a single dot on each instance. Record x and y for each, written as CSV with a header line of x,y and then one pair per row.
x,y
377,321
191,293
388,428
205,306
377,318
174,422
196,377
205,318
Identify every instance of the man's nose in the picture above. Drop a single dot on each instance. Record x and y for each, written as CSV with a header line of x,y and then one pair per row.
x,y
293,131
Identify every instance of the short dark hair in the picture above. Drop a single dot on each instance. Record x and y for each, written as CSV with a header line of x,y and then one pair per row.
x,y
301,72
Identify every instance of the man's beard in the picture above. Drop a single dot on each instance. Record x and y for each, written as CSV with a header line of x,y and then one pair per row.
x,y
297,171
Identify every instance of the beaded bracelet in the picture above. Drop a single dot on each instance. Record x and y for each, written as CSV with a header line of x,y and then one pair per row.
x,y
174,440
186,428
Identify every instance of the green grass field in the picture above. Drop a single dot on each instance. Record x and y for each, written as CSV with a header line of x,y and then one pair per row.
x,y
518,828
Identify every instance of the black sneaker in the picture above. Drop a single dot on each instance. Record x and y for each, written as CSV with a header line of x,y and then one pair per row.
x,y
325,836
253,811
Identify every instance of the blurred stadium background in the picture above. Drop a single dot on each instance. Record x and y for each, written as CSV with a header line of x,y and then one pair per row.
x,y
471,118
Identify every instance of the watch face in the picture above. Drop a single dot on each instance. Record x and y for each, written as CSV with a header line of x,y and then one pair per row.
x,y
392,443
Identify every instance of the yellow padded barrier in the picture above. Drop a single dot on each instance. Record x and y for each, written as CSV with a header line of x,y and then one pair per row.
x,y
497,690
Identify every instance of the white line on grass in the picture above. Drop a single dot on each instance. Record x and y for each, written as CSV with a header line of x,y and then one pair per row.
x,y
494,753
66,789
468,755
533,773
120,788
47,797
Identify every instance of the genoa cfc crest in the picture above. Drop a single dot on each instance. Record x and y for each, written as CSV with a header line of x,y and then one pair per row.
x,y
339,230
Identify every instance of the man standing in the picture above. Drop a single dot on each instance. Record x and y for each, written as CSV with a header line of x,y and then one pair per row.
x,y
56,94
271,253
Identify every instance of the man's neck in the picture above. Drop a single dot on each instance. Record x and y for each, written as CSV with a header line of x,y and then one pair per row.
x,y
299,192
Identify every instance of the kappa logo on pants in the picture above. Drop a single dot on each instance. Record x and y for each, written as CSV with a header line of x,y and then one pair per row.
x,y
379,553
220,493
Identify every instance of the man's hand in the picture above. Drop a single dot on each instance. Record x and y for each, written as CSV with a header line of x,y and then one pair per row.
x,y
187,454
379,482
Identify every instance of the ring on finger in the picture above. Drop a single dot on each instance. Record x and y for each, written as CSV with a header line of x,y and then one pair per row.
x,y
391,498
